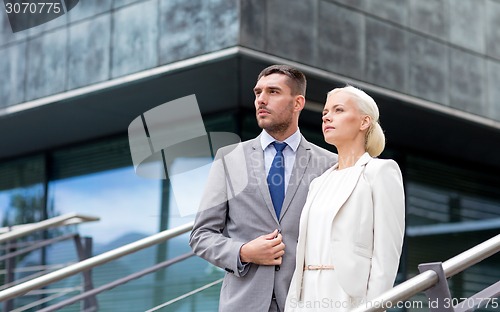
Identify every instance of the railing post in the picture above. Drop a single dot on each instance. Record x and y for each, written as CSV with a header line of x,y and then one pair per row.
x,y
438,296
84,250
488,297
10,265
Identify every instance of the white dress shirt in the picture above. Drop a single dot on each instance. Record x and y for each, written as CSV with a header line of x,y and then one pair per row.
x,y
289,152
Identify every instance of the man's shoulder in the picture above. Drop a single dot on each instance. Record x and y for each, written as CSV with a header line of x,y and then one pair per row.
x,y
321,158
321,151
231,147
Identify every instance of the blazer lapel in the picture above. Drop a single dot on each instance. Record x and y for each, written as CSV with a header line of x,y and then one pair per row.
x,y
302,158
257,163
348,185
300,255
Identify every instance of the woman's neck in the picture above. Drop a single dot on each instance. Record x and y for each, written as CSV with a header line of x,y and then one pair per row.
x,y
348,157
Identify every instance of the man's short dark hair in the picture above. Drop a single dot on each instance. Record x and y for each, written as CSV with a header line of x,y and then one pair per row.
x,y
297,79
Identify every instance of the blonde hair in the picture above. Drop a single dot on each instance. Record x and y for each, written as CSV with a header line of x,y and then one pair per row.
x,y
375,138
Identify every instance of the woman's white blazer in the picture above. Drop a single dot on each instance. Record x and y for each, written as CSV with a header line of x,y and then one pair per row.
x,y
372,205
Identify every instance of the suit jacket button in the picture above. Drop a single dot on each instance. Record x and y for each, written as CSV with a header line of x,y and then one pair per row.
x,y
277,268
229,270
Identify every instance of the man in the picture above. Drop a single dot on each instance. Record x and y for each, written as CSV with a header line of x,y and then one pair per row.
x,y
253,234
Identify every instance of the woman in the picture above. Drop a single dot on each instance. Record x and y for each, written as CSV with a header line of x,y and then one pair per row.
x,y
352,225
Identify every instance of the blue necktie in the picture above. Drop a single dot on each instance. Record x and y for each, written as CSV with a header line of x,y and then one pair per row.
x,y
276,178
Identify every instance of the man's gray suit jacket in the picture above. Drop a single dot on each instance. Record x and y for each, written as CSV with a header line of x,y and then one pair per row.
x,y
236,208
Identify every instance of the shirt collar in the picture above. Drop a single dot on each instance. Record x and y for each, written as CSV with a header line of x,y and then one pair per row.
x,y
293,141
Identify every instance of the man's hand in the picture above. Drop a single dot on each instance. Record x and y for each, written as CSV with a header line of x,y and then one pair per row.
x,y
265,250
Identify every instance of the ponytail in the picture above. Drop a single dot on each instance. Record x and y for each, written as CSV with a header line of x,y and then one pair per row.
x,y
375,139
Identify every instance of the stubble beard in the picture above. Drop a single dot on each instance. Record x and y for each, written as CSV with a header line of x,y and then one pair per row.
x,y
276,127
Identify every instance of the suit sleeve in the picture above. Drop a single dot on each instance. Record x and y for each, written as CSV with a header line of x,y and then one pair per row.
x,y
388,227
207,237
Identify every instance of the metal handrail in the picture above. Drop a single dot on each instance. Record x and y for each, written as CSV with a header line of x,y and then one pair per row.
x,y
53,296
89,263
427,279
186,295
27,229
43,243
37,268
401,292
25,278
116,283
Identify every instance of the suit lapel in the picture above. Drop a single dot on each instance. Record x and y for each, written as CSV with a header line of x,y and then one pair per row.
x,y
257,163
302,158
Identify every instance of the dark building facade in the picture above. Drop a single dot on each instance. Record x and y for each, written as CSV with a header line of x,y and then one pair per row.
x,y
70,88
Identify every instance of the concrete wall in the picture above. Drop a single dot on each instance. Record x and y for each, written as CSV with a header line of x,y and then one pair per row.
x,y
102,40
445,51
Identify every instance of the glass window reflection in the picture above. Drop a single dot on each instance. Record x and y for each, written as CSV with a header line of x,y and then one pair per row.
x,y
127,204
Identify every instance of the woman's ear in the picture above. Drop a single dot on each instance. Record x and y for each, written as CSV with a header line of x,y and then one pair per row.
x,y
365,122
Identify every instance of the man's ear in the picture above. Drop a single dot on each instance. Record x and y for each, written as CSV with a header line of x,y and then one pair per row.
x,y
299,103
365,122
